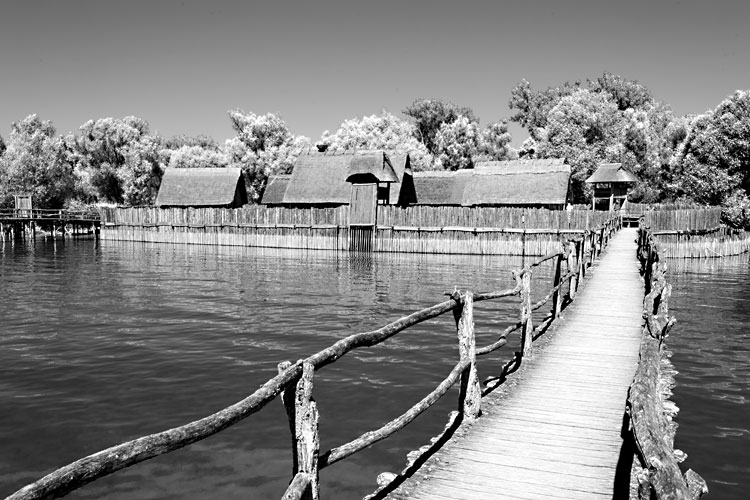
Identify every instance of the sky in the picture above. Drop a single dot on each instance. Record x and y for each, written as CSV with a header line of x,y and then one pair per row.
x,y
182,65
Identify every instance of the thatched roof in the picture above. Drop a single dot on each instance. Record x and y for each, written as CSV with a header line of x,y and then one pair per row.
x,y
402,167
275,190
441,188
322,177
371,166
611,172
537,182
201,187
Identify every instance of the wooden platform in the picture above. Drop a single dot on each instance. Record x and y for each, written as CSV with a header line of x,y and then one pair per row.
x,y
556,433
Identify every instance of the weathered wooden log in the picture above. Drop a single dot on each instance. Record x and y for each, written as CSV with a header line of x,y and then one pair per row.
x,y
571,268
369,438
556,282
470,398
298,488
287,399
306,421
528,326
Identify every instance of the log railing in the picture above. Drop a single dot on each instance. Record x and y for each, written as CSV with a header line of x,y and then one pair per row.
x,y
46,214
652,425
294,382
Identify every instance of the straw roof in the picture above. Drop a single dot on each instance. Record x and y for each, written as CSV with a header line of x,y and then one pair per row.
x,y
611,173
201,187
537,182
371,166
324,177
275,190
441,188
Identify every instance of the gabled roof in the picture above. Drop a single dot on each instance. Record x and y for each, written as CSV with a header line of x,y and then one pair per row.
x,y
319,178
375,165
275,190
611,172
518,182
198,187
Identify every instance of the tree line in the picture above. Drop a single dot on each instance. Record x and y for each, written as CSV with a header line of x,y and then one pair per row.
x,y
693,159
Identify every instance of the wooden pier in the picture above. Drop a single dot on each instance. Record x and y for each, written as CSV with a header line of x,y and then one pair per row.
x,y
19,223
558,434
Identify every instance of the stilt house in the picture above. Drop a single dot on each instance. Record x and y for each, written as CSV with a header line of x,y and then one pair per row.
x,y
611,186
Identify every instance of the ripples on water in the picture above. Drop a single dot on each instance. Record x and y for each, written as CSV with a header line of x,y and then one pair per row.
x,y
711,345
101,344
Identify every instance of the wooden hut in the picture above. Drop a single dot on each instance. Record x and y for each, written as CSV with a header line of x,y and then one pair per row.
x,y
518,183
23,207
202,187
611,186
361,179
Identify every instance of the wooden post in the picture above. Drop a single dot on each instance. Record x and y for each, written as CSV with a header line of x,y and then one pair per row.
x,y
580,266
302,412
557,297
528,326
573,280
470,398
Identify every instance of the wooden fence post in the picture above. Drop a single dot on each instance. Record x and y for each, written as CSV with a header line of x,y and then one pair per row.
x,y
557,297
302,412
573,287
470,398
527,330
580,266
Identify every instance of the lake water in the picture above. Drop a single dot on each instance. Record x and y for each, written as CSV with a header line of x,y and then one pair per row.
x,y
104,343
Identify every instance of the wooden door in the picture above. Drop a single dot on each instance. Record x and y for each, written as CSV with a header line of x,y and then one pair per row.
x,y
363,205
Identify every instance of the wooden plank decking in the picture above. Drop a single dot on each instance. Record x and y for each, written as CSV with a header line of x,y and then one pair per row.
x,y
557,433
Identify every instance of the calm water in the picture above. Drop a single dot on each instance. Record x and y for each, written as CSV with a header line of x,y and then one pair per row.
x,y
101,344
711,345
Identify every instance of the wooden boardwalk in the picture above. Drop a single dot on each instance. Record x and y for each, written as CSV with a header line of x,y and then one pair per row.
x,y
556,434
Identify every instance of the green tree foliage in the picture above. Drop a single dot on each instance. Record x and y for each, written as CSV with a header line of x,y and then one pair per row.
x,y
3,147
457,142
263,146
194,157
494,143
430,114
34,162
384,131
116,160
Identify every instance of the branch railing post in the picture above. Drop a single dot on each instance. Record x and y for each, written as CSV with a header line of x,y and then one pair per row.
x,y
527,328
557,296
573,287
304,419
470,397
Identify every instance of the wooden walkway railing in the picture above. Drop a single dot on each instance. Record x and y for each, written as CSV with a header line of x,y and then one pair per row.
x,y
36,214
294,382
651,417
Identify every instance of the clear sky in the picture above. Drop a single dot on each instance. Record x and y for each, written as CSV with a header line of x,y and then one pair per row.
x,y
181,65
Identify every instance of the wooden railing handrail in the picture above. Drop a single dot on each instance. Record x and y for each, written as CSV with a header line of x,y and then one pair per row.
x,y
46,213
304,482
652,430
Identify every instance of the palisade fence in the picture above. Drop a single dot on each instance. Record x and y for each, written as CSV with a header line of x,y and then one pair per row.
x,y
445,230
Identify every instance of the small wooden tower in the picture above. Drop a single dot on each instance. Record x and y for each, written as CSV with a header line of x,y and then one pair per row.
x,y
23,205
611,186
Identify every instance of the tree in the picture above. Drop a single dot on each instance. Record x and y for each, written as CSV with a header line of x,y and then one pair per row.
x,y
457,143
494,143
263,146
584,128
193,157
625,93
116,160
34,162
532,106
3,147
384,131
430,114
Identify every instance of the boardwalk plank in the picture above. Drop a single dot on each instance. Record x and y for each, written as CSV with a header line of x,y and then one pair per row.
x,y
556,433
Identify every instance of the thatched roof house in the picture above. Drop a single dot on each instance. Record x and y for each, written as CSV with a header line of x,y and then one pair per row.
x,y
326,178
611,186
202,187
611,173
528,183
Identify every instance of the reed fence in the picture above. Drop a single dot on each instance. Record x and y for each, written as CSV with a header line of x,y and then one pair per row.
x,y
443,230
656,473
685,220
294,382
